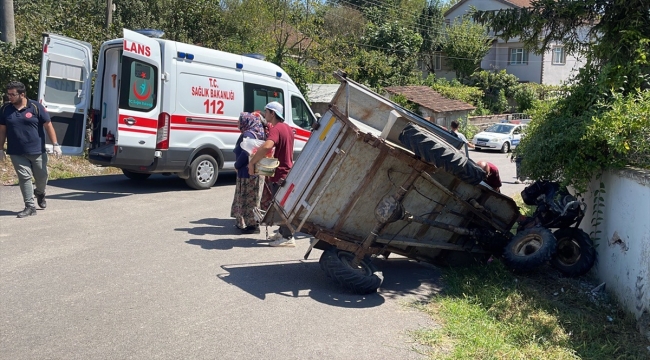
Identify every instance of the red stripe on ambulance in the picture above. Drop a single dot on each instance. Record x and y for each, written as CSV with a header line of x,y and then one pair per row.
x,y
140,131
139,121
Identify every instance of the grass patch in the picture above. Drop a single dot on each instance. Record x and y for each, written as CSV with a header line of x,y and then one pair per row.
x,y
64,167
487,312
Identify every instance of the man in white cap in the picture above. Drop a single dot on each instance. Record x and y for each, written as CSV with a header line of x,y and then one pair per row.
x,y
280,137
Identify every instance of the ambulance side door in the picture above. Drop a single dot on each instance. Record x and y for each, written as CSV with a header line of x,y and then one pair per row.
x,y
64,89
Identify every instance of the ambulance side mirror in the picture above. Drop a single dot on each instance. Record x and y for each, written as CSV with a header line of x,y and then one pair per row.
x,y
315,125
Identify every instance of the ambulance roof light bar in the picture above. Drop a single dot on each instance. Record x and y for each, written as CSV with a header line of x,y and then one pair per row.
x,y
152,33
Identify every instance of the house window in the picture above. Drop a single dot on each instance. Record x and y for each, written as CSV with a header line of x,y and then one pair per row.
x,y
437,61
518,56
559,57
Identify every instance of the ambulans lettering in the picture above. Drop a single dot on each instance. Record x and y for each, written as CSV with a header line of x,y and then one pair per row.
x,y
139,49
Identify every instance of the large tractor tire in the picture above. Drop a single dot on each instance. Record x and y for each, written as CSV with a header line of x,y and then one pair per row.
x,y
364,279
435,150
529,249
575,254
135,175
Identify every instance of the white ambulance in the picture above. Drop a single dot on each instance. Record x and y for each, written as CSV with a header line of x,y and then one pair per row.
x,y
161,106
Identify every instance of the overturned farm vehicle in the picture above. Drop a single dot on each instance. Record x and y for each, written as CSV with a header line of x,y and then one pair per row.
x,y
376,179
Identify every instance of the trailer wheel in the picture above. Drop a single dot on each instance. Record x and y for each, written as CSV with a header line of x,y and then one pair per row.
x,y
576,254
529,249
435,150
135,175
364,279
203,172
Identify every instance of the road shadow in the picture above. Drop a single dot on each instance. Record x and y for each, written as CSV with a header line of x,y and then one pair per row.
x,y
104,187
401,278
226,244
404,277
9,213
214,227
14,213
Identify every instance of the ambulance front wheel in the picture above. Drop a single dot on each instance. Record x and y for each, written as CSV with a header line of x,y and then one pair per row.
x,y
203,172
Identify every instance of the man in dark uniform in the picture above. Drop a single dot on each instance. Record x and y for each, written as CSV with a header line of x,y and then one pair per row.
x,y
23,123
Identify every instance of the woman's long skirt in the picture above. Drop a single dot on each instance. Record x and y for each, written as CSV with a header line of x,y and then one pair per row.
x,y
247,197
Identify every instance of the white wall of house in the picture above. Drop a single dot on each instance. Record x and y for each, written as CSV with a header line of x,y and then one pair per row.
x,y
555,72
538,68
624,245
499,58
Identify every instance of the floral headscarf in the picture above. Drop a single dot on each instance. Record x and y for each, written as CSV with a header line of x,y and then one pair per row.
x,y
252,122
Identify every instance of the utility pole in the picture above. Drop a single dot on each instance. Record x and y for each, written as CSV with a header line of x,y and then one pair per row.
x,y
109,13
7,26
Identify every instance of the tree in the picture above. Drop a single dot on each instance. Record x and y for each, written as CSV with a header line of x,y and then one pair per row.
x,y
7,27
400,45
565,141
467,43
449,4
431,26
291,27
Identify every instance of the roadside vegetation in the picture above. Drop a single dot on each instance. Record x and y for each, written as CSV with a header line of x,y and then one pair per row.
x,y
64,167
486,311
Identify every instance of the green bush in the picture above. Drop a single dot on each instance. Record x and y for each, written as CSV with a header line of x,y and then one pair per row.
x,y
525,96
468,129
455,90
572,148
495,85
624,130
501,105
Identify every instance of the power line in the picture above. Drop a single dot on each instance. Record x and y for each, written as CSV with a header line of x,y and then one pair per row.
x,y
415,28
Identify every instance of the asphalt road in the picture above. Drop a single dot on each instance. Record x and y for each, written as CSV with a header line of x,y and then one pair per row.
x,y
114,269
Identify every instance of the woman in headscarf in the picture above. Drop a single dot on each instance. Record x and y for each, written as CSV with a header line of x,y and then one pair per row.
x,y
247,189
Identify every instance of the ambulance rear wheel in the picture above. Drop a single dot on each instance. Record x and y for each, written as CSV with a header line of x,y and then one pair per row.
x,y
135,175
203,172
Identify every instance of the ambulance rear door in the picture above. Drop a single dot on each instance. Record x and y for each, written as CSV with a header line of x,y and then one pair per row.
x,y
138,131
64,89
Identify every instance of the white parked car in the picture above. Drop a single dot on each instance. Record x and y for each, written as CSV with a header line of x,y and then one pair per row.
x,y
502,136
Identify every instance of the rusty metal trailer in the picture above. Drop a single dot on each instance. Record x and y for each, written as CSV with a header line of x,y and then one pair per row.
x,y
376,179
